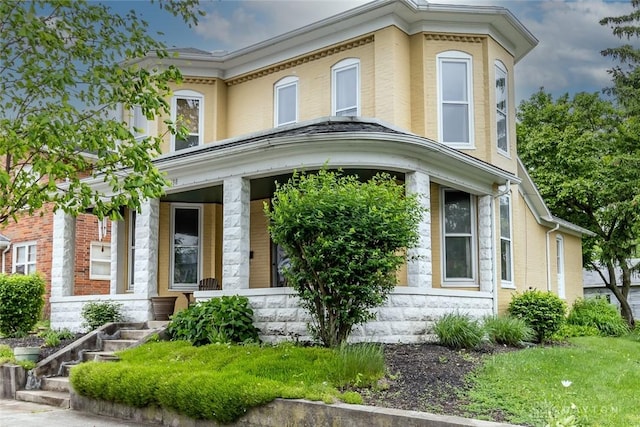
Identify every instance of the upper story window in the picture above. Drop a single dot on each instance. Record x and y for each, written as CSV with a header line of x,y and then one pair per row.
x,y
24,258
506,244
345,77
286,101
187,109
459,238
501,108
455,99
138,122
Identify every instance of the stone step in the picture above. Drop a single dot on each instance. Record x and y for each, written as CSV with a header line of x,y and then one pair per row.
x,y
99,356
45,397
135,334
155,324
117,345
55,384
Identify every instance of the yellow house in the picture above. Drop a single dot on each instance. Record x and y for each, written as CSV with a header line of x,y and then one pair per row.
x,y
422,91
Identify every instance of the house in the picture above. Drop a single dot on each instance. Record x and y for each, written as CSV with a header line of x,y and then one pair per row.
x,y
419,90
594,286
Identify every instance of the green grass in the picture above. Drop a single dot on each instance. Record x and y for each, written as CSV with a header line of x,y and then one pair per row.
x,y
527,385
221,381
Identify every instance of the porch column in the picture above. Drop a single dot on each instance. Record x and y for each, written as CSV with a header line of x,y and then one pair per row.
x,y
116,230
235,233
146,254
419,270
63,254
485,242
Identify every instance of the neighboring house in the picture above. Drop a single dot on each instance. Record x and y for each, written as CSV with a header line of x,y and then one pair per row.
x,y
594,286
422,91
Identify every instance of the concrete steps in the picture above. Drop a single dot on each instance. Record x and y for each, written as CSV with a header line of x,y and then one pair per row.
x,y
55,390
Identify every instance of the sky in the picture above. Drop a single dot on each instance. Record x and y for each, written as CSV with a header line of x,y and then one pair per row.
x,y
566,60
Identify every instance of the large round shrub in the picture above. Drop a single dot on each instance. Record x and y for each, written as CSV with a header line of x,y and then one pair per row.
x,y
600,314
21,302
543,311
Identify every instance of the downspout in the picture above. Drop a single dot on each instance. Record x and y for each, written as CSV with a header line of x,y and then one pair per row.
x,y
549,256
4,254
507,189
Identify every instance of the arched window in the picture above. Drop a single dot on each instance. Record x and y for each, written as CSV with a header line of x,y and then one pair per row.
x,y
187,109
345,88
502,86
285,101
455,99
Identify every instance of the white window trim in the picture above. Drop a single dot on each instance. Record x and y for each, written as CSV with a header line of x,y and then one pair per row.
x,y
282,84
182,287
500,67
459,282
560,276
133,215
92,275
456,56
26,263
344,65
188,94
144,129
507,284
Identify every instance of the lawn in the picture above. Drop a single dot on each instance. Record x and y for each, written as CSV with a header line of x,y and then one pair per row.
x,y
594,381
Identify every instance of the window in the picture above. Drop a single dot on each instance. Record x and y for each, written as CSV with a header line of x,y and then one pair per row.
x,y
458,217
187,110
24,258
100,261
506,246
138,122
455,103
346,88
286,101
132,251
185,265
501,108
560,265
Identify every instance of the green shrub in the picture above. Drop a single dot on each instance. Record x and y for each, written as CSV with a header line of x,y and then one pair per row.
x,y
458,331
345,240
568,330
98,313
6,354
507,330
220,320
21,302
543,311
600,314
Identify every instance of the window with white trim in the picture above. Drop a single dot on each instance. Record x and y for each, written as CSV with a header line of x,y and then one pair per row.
x,y
286,101
506,244
131,244
560,266
138,122
187,110
24,258
345,77
501,108
100,261
185,246
459,237
455,99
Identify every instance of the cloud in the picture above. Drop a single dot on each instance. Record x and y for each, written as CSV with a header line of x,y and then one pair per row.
x,y
239,24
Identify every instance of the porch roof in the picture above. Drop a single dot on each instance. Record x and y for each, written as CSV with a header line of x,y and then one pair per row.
x,y
345,142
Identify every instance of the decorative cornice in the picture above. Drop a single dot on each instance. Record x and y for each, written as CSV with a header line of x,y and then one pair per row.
x,y
199,80
454,38
302,60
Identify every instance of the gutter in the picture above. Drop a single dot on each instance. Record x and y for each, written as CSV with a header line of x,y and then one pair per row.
x,y
8,243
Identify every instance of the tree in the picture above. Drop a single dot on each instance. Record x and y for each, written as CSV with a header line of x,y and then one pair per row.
x,y
626,75
345,240
584,157
65,66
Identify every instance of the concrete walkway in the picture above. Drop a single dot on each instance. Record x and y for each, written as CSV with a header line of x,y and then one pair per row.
x,y
26,414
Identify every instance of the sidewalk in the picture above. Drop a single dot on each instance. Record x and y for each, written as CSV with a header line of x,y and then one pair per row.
x,y
26,414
